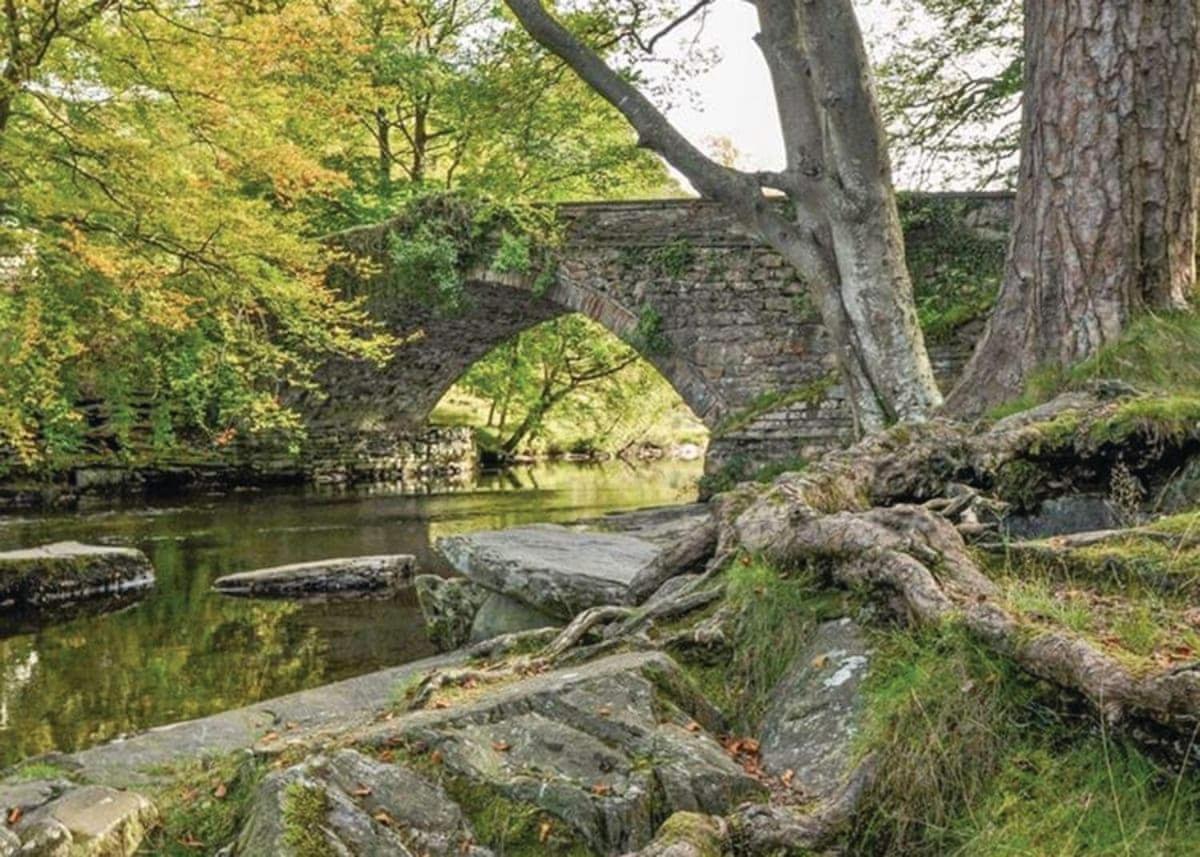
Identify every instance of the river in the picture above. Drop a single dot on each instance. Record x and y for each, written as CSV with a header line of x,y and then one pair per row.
x,y
183,651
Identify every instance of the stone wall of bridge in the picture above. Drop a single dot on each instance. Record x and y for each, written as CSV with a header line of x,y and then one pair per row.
x,y
734,331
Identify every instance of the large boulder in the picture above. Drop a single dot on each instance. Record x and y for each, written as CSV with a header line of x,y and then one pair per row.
x,y
816,709
68,571
609,749
351,804
60,819
325,577
555,569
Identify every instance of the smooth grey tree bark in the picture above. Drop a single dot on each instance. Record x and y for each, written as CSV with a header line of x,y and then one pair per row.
x,y
1106,216
844,238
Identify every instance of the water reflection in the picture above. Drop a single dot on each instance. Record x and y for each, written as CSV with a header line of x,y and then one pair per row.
x,y
184,651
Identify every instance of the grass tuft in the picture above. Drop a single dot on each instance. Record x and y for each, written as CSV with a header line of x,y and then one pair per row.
x,y
976,758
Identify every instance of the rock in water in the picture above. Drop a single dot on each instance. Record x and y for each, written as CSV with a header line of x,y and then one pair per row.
x,y
351,804
557,570
67,571
342,576
449,607
815,710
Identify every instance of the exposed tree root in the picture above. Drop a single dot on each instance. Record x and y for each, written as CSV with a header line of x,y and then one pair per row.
x,y
921,558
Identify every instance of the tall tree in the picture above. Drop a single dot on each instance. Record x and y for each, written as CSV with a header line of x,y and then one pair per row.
x,y
1106,211
844,236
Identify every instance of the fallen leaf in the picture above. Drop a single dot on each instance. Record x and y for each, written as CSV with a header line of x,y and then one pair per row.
x,y
693,726
270,736
190,841
220,791
819,662
14,815
383,818
604,710
501,746
544,830
436,757
361,791
601,789
387,756
787,777
441,703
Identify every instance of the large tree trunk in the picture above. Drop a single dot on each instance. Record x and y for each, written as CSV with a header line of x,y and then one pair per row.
x,y
844,239
1105,224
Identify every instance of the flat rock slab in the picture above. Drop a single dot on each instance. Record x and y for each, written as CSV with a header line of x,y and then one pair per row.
x,y
341,576
81,821
67,571
610,748
557,570
660,525
141,758
815,711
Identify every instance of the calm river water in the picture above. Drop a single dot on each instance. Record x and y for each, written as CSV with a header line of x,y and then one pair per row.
x,y
183,651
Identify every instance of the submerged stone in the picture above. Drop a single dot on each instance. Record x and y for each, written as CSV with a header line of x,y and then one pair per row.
x,y
815,711
556,569
338,576
67,571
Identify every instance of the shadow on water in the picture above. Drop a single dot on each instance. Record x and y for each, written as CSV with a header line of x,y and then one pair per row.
x,y
183,651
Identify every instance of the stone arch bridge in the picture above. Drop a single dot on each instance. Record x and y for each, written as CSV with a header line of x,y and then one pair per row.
x,y
735,333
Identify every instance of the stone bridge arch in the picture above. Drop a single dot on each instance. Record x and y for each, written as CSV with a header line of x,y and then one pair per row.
x,y
734,331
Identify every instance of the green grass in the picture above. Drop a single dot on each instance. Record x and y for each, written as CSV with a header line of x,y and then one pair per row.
x,y
35,770
975,758
1134,597
1158,353
776,611
191,812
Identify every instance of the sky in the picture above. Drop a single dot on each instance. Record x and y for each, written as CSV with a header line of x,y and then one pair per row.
x,y
734,96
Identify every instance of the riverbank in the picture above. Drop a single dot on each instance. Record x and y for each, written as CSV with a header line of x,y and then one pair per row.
x,y
184,651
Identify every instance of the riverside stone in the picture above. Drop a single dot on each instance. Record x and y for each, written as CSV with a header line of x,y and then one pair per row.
x,y
68,571
815,711
611,747
365,807
448,606
322,577
86,821
555,569
500,615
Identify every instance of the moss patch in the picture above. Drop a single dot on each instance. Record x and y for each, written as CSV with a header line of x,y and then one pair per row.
x,y
812,393
305,809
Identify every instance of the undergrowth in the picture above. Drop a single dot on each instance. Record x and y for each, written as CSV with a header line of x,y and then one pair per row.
x,y
976,758
1158,353
202,806
775,612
